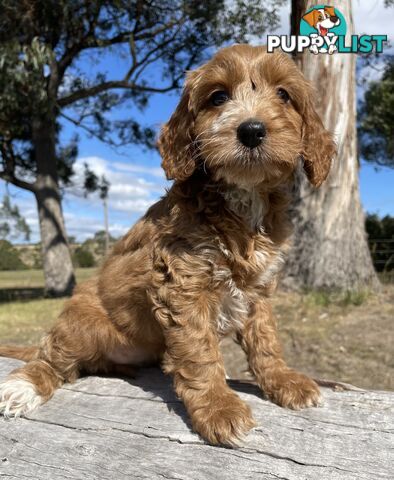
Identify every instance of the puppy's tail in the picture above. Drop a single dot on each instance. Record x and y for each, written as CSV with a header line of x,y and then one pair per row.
x,y
21,353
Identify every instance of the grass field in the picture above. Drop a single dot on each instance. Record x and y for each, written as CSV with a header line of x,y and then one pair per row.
x,y
348,339
25,321
35,278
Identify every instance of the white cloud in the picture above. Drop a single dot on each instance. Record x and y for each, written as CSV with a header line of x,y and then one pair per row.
x,y
154,171
129,189
134,188
121,189
138,206
85,227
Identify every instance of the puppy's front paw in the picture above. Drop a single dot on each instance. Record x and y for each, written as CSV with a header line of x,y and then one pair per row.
x,y
18,397
225,420
291,389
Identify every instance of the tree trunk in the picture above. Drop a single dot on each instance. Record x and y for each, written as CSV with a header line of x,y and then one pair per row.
x,y
330,246
58,268
106,225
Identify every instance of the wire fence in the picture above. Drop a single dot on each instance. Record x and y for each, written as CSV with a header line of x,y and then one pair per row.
x,y
382,252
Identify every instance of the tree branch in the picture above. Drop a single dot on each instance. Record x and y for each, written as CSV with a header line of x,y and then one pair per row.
x,y
148,59
158,30
17,182
90,131
114,84
90,41
8,174
77,46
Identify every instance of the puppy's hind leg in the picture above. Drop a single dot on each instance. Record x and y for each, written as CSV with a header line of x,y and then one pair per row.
x,y
78,342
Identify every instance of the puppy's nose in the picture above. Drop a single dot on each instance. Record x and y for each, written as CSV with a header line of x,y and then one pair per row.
x,y
334,18
251,133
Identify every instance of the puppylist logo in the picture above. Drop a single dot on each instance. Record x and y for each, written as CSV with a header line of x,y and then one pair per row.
x,y
323,30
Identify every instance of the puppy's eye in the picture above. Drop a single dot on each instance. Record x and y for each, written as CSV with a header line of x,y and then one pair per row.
x,y
283,95
219,97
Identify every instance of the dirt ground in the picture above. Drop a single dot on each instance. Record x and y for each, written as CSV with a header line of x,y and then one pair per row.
x,y
350,341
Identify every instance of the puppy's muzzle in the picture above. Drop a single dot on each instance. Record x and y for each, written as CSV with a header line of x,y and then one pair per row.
x,y
251,133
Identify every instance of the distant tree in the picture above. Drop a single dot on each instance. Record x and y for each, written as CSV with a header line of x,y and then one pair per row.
x,y
373,226
43,44
101,240
93,184
12,224
381,241
99,237
376,119
96,246
9,257
83,258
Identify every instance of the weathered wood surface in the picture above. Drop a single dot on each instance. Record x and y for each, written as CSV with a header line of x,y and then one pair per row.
x,y
108,428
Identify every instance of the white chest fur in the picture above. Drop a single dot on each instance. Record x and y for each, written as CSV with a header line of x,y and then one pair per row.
x,y
270,267
234,309
250,205
236,302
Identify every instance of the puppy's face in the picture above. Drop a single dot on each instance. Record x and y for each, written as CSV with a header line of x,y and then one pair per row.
x,y
246,117
322,19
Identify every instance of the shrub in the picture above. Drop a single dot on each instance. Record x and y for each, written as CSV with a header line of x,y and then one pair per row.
x,y
83,258
9,257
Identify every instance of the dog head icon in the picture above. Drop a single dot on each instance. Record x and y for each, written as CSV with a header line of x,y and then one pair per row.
x,y
322,19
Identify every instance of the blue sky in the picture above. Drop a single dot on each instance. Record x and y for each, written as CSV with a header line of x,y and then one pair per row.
x,y
135,175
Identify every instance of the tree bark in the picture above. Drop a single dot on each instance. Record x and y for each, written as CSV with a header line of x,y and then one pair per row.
x,y
330,249
58,268
110,428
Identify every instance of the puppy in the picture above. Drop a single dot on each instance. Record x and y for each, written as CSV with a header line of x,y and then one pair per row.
x,y
322,19
203,261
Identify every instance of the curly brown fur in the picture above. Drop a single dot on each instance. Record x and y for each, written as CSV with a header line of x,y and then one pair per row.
x,y
203,261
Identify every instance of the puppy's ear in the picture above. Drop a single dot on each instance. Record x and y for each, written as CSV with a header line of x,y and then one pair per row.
x,y
176,141
318,146
311,18
330,11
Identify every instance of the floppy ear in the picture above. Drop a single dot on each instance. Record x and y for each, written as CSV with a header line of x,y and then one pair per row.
x,y
176,141
330,11
310,18
318,146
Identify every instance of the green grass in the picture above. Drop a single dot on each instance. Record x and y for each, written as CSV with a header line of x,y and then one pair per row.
x,y
35,278
343,299
26,322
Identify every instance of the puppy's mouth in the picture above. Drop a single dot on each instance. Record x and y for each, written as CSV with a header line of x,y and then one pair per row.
x,y
251,157
322,30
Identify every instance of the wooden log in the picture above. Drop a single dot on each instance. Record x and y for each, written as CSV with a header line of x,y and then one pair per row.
x,y
112,428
